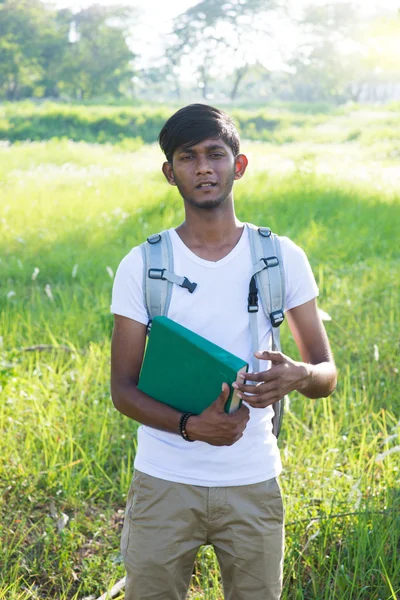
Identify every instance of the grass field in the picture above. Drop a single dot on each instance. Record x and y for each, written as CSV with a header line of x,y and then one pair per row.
x,y
68,213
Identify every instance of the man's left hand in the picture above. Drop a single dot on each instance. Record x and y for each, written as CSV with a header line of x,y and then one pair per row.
x,y
267,387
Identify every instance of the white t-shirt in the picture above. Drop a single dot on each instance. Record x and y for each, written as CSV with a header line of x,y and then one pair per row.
x,y
217,310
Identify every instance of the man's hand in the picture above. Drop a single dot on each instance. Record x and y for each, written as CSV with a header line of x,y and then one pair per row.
x,y
284,376
215,426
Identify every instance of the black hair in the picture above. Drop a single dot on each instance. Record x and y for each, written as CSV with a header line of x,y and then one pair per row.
x,y
193,124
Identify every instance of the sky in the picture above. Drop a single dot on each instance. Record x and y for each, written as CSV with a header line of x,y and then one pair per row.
x,y
155,19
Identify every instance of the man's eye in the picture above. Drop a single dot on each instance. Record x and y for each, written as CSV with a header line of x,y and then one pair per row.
x,y
186,157
217,154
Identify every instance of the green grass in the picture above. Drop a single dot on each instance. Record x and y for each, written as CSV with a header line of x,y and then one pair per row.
x,y
129,126
72,210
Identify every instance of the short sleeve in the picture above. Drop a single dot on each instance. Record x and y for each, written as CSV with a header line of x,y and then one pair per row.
x,y
300,282
127,294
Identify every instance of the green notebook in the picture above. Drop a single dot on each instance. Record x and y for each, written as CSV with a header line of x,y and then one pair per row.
x,y
185,370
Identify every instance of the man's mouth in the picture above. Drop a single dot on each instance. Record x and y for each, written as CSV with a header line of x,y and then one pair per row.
x,y
205,185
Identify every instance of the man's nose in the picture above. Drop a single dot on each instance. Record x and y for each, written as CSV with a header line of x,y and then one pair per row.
x,y
203,165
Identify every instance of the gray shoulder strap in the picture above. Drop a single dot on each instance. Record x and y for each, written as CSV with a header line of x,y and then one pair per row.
x,y
269,275
269,281
157,256
158,274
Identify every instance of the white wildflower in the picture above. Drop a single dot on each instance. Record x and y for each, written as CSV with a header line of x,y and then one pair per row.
x,y
48,291
110,272
380,457
62,522
35,273
376,352
10,294
390,438
74,271
356,493
311,538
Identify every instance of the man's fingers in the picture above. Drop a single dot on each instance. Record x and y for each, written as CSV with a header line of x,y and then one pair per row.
x,y
261,377
265,399
259,389
262,403
224,395
269,355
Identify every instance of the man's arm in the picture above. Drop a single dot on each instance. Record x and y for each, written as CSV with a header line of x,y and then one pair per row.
x,y
312,341
315,377
213,426
127,350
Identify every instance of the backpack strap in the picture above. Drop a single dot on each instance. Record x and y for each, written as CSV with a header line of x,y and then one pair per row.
x,y
269,280
159,276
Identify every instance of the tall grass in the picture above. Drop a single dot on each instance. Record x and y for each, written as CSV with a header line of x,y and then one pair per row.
x,y
130,126
68,213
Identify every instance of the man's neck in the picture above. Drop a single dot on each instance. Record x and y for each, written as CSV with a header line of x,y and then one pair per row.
x,y
210,234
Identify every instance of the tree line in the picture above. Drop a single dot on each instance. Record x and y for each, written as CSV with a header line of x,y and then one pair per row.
x,y
46,52
322,53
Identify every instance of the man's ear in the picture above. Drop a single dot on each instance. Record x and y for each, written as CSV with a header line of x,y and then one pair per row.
x,y
168,173
241,163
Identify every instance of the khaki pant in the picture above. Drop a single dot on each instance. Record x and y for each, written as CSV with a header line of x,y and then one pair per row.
x,y
166,523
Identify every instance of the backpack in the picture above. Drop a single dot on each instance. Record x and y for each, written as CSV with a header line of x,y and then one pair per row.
x,y
268,280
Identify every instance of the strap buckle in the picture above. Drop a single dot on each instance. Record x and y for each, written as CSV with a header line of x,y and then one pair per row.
x,y
154,239
156,273
271,261
252,308
188,285
252,302
277,317
264,231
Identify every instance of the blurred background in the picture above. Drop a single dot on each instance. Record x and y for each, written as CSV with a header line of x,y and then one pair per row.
x,y
243,51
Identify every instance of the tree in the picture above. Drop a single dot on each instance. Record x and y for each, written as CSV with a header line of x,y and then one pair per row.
x,y
99,61
375,72
54,52
24,26
46,52
214,32
319,67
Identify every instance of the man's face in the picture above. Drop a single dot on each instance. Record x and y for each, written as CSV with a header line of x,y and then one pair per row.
x,y
204,173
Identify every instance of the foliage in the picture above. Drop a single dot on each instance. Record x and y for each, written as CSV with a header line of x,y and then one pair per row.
x,y
100,62
252,49
132,125
31,42
92,124
213,29
111,124
49,52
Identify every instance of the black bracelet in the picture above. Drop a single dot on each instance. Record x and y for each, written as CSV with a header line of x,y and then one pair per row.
x,y
182,426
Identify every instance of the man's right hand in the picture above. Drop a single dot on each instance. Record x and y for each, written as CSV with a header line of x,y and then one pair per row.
x,y
214,426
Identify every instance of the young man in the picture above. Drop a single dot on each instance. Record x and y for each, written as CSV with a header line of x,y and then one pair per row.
x,y
221,489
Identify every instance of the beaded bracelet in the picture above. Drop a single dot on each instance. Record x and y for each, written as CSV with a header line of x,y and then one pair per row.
x,y
182,426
